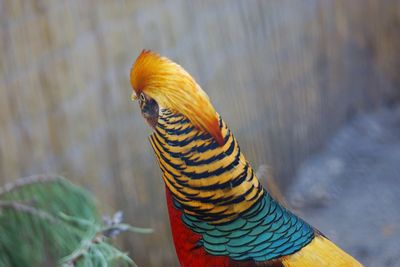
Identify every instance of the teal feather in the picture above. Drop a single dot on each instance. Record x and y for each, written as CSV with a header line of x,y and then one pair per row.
x,y
238,234
264,232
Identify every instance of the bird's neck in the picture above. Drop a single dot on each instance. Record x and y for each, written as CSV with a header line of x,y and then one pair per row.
x,y
210,182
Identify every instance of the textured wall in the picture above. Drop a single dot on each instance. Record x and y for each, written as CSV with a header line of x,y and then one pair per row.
x,y
284,74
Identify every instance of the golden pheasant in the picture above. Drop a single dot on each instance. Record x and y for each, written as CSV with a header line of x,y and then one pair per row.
x,y
220,214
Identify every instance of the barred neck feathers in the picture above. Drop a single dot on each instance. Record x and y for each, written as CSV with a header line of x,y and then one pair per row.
x,y
220,197
213,183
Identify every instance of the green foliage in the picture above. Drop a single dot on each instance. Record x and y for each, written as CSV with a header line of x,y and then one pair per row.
x,y
47,220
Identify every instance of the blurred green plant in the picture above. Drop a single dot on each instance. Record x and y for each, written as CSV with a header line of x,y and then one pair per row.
x,y
47,221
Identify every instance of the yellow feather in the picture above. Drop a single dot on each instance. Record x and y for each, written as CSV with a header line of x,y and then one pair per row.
x,y
173,88
320,252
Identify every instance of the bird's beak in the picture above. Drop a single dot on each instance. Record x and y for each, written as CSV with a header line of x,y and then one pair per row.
x,y
133,96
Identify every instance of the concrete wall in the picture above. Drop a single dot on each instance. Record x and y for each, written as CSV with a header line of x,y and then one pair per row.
x,y
284,75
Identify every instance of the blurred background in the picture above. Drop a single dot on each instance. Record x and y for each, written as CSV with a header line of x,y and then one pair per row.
x,y
311,88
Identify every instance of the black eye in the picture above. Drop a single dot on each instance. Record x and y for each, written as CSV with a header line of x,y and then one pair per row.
x,y
142,98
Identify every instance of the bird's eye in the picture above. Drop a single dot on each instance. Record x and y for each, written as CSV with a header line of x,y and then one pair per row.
x,y
142,98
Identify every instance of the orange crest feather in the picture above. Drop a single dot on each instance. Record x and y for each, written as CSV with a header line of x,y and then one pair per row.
x,y
173,88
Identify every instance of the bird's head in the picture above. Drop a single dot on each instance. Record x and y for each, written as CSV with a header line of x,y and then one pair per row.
x,y
158,83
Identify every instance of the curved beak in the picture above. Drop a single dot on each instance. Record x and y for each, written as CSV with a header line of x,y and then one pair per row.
x,y
133,96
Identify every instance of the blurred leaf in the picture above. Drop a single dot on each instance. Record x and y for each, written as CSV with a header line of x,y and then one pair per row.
x,y
47,218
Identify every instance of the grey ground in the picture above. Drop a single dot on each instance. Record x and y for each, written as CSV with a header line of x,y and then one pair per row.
x,y
350,191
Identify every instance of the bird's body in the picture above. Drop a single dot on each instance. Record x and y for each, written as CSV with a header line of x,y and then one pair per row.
x,y
220,214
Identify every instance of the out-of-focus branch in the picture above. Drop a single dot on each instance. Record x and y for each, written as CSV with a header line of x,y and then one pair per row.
x,y
112,228
8,187
81,235
20,207
74,257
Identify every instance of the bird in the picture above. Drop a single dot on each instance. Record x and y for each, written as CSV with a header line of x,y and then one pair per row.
x,y
220,214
